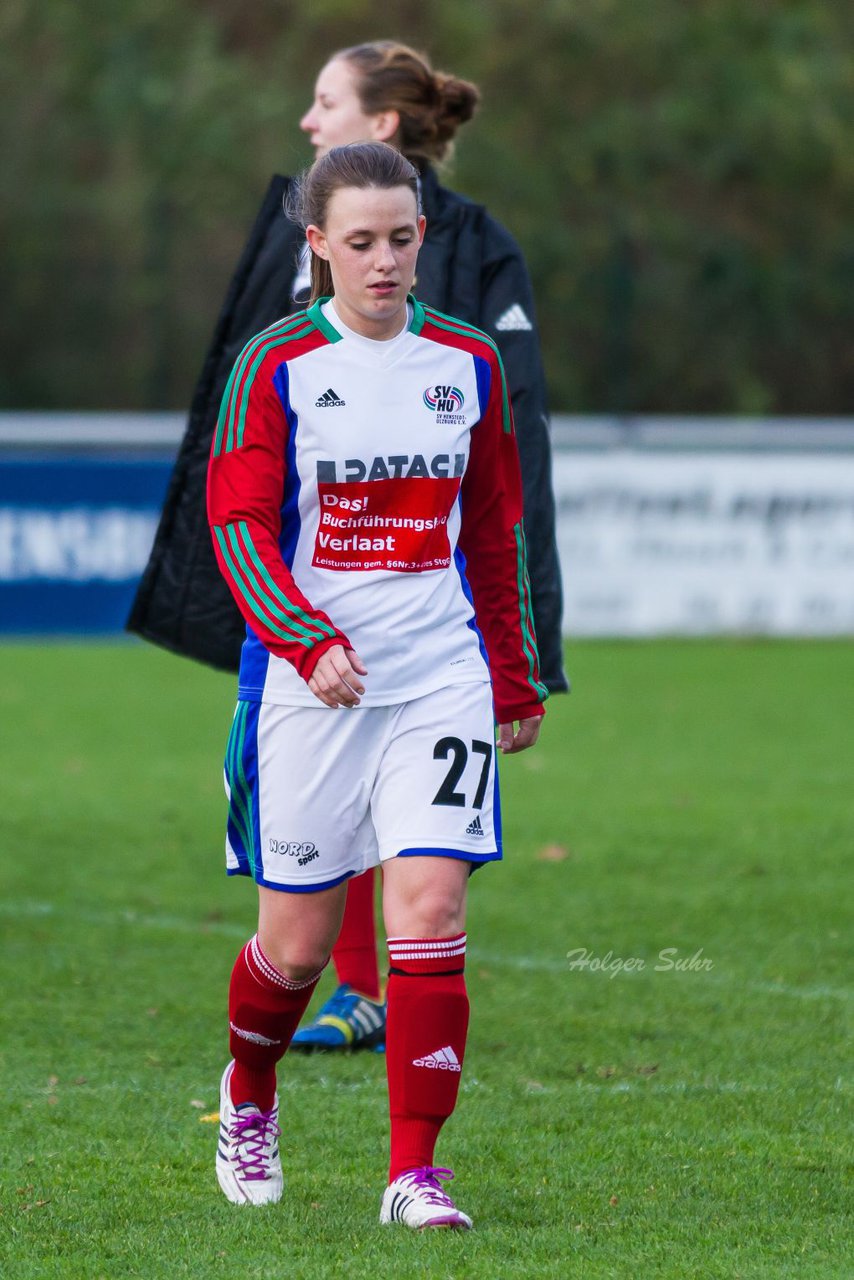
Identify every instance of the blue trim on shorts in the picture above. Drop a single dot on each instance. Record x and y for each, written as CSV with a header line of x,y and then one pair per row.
x,y
244,824
462,854
241,770
496,807
293,888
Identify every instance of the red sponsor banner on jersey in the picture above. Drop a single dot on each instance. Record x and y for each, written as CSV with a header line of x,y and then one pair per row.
x,y
399,524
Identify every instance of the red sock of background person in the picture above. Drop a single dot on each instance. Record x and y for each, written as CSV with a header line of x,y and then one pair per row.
x,y
264,1009
428,1014
355,953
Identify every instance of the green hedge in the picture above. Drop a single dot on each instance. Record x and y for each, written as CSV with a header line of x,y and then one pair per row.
x,y
679,172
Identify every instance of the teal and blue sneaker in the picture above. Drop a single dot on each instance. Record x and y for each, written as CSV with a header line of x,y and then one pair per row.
x,y
346,1021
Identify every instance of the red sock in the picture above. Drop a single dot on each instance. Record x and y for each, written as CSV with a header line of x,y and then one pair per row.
x,y
264,1009
355,952
428,1015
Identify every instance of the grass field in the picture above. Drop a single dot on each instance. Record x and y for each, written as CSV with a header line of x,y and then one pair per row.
x,y
693,798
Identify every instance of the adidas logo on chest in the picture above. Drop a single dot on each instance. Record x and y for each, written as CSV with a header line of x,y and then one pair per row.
x,y
329,400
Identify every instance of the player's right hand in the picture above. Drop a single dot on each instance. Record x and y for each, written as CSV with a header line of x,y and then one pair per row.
x,y
335,678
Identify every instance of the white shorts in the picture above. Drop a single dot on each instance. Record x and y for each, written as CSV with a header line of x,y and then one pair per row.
x,y
317,795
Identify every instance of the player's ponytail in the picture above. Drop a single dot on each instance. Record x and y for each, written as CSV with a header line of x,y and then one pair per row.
x,y
431,106
322,285
361,165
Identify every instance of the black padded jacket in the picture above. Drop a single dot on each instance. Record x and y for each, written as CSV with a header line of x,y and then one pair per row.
x,y
468,267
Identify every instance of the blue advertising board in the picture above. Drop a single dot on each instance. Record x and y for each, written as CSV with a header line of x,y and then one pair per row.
x,y
665,526
75,534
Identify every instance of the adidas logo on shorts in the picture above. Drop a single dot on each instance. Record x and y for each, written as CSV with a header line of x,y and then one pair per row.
x,y
475,828
442,1060
329,400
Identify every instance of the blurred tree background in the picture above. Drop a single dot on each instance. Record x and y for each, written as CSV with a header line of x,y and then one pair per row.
x,y
680,174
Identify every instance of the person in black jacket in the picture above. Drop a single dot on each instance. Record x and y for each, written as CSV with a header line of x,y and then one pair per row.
x,y
470,267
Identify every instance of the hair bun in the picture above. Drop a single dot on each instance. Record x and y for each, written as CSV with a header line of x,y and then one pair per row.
x,y
458,101
431,105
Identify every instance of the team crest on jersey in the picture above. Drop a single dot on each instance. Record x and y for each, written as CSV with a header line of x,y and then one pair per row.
x,y
444,399
446,402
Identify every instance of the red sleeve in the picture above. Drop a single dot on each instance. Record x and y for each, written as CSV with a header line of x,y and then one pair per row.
x,y
246,484
492,540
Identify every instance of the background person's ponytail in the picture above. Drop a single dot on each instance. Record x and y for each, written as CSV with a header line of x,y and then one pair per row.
x,y
431,105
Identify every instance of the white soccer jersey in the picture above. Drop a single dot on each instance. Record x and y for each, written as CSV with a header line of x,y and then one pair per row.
x,y
367,493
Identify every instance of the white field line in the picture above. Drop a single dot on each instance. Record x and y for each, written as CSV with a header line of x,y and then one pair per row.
x,y
293,1083
505,960
109,919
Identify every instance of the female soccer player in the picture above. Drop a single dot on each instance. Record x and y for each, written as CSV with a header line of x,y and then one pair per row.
x,y
469,266
365,503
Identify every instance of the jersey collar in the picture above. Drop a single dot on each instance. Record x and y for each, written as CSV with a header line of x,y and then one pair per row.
x,y
319,320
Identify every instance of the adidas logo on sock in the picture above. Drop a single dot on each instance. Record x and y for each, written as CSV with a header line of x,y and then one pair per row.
x,y
254,1037
513,318
475,828
329,400
442,1060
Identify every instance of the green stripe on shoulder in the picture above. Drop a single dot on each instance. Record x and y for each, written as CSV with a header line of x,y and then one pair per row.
x,y
453,325
231,421
281,326
261,355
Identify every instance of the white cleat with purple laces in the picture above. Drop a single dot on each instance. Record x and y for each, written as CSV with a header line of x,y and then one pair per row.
x,y
248,1167
416,1199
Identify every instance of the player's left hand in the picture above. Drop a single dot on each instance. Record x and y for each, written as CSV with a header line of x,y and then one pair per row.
x,y
525,736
